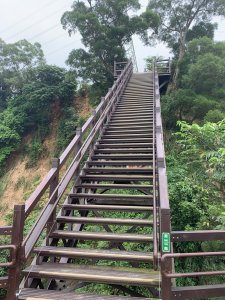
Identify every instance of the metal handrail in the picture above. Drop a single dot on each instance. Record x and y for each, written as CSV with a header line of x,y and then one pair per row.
x,y
57,194
13,249
155,223
164,205
46,182
166,257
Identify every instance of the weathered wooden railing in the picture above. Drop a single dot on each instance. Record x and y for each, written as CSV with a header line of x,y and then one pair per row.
x,y
163,197
168,237
15,232
118,68
56,185
194,292
163,66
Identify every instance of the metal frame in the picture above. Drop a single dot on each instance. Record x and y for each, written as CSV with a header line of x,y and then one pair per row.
x,y
78,148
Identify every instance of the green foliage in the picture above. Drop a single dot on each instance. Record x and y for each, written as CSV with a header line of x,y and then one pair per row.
x,y
206,145
201,93
196,193
214,116
66,129
181,21
106,27
150,61
32,108
16,63
207,74
34,151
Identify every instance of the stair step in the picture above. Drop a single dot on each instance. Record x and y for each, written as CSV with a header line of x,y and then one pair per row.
x,y
125,150
122,156
118,170
116,177
102,236
126,135
111,196
131,131
135,106
141,121
39,294
99,274
114,186
130,128
128,118
137,102
133,110
129,145
101,254
119,163
105,221
89,207
126,140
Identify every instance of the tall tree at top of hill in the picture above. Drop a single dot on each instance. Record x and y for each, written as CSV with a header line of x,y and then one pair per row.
x,y
177,17
16,61
106,26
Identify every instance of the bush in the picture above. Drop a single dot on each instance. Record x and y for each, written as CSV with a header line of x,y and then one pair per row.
x,y
214,116
66,130
35,151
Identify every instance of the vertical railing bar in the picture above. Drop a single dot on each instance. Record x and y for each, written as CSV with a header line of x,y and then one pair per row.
x,y
155,250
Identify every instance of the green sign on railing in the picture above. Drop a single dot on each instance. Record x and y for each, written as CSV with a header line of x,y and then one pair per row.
x,y
165,242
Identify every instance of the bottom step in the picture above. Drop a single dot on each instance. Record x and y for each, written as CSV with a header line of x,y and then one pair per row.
x,y
99,274
29,294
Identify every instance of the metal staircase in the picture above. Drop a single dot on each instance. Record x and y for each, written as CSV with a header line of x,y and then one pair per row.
x,y
113,200
105,228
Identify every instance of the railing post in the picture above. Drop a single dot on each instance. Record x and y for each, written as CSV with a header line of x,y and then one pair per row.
x,y
164,208
17,239
78,132
51,221
76,150
167,266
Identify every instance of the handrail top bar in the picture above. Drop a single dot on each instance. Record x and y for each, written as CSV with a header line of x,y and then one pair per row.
x,y
45,183
37,228
163,184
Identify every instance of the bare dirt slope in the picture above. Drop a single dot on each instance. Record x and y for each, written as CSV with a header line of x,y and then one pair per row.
x,y
19,182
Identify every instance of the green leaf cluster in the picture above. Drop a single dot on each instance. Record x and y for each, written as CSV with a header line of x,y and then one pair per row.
x,y
105,26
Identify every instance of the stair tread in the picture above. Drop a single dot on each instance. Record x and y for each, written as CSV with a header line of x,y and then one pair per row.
x,y
109,221
118,196
26,294
94,253
120,162
92,170
103,236
100,274
107,207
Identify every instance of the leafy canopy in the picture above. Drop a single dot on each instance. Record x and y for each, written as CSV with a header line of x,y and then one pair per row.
x,y
16,62
180,20
106,26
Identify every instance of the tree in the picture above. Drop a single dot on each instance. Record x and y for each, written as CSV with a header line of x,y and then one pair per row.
x,y
178,17
106,27
49,88
206,75
16,62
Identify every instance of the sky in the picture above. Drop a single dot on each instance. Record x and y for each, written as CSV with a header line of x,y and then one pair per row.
x,y
39,21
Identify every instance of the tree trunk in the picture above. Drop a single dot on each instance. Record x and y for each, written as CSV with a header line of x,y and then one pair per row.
x,y
182,49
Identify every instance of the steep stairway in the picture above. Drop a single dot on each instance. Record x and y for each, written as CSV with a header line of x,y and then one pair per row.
x,y
106,233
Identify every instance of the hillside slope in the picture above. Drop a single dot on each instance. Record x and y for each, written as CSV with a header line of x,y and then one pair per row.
x,y
19,181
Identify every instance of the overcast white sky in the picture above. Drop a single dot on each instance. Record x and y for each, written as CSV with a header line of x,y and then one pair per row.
x,y
39,21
